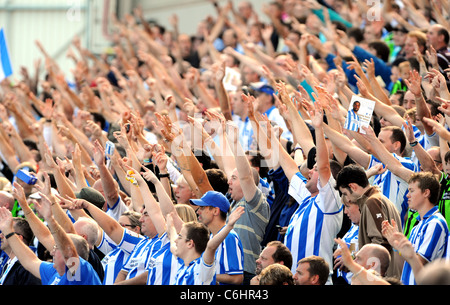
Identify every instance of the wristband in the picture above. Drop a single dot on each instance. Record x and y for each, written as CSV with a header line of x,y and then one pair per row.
x,y
412,144
358,273
10,235
164,175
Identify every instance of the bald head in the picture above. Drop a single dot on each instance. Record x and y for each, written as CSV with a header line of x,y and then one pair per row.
x,y
6,200
375,257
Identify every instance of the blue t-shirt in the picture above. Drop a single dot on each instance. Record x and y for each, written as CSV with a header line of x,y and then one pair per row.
x,y
85,275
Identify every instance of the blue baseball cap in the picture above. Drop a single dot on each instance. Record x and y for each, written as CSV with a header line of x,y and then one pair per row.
x,y
263,88
213,199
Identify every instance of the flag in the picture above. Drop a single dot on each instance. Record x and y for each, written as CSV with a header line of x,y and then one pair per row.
x,y
5,60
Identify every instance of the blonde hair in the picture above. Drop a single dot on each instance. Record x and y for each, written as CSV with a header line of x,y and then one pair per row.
x,y
5,185
186,212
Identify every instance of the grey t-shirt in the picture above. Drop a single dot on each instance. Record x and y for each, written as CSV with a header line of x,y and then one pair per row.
x,y
251,227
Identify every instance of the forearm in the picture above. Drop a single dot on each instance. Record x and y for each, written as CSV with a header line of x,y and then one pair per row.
x,y
64,187
322,158
389,160
108,224
301,132
152,207
214,243
60,216
24,254
109,187
345,145
199,175
426,161
40,230
423,112
223,100
62,240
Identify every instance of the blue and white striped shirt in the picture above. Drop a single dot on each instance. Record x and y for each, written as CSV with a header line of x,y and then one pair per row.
x,y
163,267
138,259
430,240
115,259
426,141
315,223
392,186
230,255
196,273
352,121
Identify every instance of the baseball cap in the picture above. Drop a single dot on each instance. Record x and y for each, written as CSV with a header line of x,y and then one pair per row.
x,y
92,195
213,199
263,88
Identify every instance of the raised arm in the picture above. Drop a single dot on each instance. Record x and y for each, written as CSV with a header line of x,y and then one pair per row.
x,y
423,111
322,158
300,130
401,243
381,109
151,206
214,243
23,253
39,229
242,164
426,161
62,239
386,157
346,145
109,225
108,182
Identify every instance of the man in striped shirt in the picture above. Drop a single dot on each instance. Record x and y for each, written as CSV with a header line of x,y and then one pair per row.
x,y
430,236
318,219
212,212
197,250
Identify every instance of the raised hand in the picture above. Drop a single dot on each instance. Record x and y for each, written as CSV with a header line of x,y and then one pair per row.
x,y
6,220
413,83
235,215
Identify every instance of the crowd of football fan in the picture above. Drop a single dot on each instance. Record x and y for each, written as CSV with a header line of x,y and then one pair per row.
x,y
226,157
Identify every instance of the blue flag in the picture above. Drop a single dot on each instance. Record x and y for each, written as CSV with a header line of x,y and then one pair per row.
x,y
5,60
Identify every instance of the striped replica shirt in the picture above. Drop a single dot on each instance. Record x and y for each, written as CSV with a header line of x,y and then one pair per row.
x,y
251,227
430,240
115,259
352,121
392,186
230,255
196,273
163,267
351,239
426,141
316,222
138,259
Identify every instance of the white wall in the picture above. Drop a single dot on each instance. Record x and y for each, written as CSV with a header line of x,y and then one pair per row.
x,y
54,23
189,12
